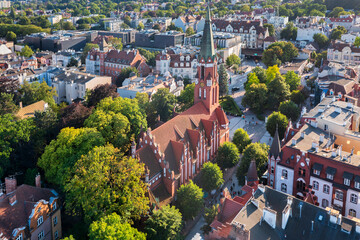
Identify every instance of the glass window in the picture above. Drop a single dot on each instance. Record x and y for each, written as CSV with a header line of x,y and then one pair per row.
x,y
284,174
56,234
19,237
40,220
324,203
357,185
352,212
55,221
272,169
315,185
316,172
339,195
41,235
283,187
347,182
326,189
353,198
329,176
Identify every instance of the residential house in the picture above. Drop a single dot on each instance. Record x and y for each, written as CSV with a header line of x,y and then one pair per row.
x,y
29,111
307,34
349,37
174,152
54,19
195,22
5,4
63,58
266,13
346,21
29,212
150,85
278,21
343,53
71,85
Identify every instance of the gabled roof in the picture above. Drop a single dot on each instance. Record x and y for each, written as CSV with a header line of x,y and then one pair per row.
x,y
147,156
251,175
207,49
29,111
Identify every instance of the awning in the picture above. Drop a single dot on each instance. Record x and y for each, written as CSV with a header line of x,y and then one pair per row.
x,y
330,170
348,175
318,166
357,178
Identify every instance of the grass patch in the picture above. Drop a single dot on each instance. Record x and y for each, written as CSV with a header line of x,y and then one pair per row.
x,y
230,107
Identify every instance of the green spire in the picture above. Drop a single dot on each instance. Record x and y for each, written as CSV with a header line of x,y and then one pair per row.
x,y
207,43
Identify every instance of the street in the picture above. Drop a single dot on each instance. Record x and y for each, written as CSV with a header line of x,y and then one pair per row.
x,y
255,128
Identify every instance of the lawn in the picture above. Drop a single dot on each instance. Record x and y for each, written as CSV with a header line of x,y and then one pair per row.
x,y
229,106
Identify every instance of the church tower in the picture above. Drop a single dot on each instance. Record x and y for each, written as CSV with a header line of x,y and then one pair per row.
x,y
207,84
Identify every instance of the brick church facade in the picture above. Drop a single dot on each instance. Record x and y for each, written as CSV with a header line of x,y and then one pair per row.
x,y
174,152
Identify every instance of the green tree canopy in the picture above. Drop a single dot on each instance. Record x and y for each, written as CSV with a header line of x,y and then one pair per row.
x,y
34,92
289,32
104,182
336,12
251,79
270,28
241,139
125,73
163,102
357,42
256,97
228,155
7,103
26,51
186,97
279,91
61,154
164,223
223,81
116,43
338,32
254,151
189,199
277,120
11,36
211,176
321,40
293,80
113,227
68,26
233,59
290,110
100,92
190,31
297,97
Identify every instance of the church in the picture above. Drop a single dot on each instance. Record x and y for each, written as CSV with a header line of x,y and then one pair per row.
x,y
174,152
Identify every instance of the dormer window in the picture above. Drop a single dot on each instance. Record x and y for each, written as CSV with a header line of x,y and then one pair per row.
x,y
40,220
317,167
347,178
330,173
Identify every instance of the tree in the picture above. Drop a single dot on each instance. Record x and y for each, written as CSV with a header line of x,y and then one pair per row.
x,y
13,134
189,200
125,73
164,223
103,182
7,104
68,26
290,110
140,26
293,80
34,92
223,81
73,62
157,26
71,237
320,58
186,97
149,56
270,28
86,50
190,31
163,102
260,73
129,108
74,115
209,216
113,227
254,151
9,85
211,176
228,155
24,20
233,59
127,20
297,97
241,139
116,43
279,91
357,42
60,156
277,120
271,57
11,37
26,51
321,40
338,32
256,97
100,92
251,79
336,12
12,13
289,32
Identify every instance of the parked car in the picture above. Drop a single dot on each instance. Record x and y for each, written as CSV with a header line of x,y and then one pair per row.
x,y
234,89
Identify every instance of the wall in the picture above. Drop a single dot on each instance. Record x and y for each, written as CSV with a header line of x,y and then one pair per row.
x,y
320,193
269,217
349,205
279,179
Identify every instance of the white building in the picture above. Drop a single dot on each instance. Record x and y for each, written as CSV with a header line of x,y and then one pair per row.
x,y
71,85
307,34
181,65
62,58
349,37
278,22
55,19
5,4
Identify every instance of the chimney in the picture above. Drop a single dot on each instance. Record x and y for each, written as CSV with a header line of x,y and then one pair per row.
x,y
38,180
321,138
20,105
133,149
293,142
302,134
10,184
12,199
